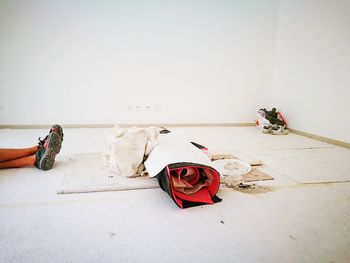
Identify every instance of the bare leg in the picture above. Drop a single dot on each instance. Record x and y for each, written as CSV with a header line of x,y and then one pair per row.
x,y
19,162
11,154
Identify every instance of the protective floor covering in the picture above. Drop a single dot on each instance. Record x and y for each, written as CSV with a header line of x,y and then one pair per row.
x,y
295,222
315,165
86,173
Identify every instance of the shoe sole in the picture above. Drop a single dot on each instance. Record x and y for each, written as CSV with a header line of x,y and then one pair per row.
x,y
59,131
48,158
280,132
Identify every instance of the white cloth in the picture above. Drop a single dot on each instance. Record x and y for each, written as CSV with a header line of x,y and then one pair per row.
x,y
128,148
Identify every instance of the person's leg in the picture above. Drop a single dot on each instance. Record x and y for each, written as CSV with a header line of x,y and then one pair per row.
x,y
11,154
42,156
19,162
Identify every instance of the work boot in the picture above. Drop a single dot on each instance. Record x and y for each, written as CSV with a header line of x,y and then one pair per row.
x,y
57,128
267,129
54,129
279,130
45,156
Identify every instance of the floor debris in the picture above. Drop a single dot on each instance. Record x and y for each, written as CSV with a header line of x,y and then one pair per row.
x,y
222,156
256,175
248,188
255,162
292,237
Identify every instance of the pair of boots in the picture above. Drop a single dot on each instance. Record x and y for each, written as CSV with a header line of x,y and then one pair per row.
x,y
276,129
49,148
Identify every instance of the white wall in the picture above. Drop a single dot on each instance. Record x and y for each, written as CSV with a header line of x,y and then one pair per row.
x,y
86,62
312,66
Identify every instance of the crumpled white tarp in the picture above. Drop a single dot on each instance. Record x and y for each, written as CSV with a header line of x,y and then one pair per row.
x,y
128,148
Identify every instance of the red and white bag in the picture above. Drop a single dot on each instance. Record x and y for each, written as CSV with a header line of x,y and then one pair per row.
x,y
260,120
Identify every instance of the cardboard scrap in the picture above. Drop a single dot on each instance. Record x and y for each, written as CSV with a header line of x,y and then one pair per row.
x,y
255,175
255,162
221,156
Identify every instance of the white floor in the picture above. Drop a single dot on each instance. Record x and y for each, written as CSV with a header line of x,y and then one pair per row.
x,y
306,218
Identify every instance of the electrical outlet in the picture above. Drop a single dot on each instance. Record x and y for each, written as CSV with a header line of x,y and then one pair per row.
x,y
137,107
144,108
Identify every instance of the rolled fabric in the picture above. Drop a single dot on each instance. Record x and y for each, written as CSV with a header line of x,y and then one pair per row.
x,y
183,170
190,184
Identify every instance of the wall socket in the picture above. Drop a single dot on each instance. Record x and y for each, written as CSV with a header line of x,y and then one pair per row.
x,y
143,107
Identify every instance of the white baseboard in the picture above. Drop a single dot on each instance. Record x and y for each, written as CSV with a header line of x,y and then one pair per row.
x,y
321,138
168,125
126,125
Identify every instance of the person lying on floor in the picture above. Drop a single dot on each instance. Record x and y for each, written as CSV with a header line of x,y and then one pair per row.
x,y
41,156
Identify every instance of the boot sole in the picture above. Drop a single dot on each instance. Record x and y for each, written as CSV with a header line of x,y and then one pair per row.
x,y
48,158
59,131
